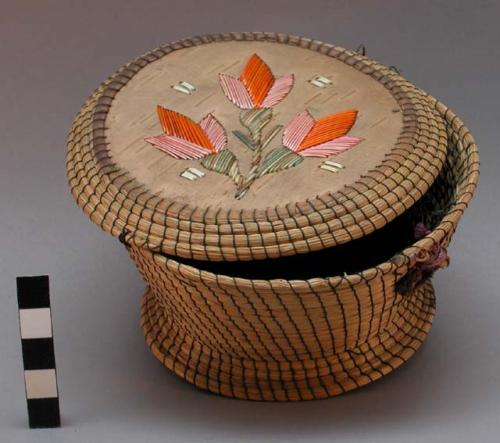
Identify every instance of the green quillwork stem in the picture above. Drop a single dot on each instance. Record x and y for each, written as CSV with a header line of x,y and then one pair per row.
x,y
254,120
247,181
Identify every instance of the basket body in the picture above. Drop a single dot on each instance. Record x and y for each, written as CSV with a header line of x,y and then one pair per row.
x,y
299,340
279,340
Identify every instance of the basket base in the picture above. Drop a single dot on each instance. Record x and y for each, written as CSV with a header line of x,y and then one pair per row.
x,y
284,381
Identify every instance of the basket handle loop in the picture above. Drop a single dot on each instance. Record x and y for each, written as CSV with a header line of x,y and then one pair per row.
x,y
361,50
123,238
426,263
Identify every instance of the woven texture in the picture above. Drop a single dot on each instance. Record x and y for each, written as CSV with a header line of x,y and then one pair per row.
x,y
284,339
298,340
290,379
117,202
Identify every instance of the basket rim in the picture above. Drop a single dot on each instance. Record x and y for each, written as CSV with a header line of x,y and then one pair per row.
x,y
401,261
325,223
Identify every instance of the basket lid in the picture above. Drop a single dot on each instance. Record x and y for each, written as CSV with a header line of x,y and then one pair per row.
x,y
250,146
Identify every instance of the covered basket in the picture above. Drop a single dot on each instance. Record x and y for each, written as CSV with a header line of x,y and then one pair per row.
x,y
286,202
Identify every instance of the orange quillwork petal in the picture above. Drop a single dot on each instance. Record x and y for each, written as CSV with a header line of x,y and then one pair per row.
x,y
258,79
329,128
183,127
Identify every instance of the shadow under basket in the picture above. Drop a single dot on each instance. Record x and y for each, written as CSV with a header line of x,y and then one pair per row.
x,y
314,325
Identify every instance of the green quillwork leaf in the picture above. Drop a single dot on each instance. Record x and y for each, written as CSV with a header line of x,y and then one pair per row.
x,y
255,120
279,159
223,162
244,139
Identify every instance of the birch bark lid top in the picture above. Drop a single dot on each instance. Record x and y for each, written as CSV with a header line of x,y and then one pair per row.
x,y
251,146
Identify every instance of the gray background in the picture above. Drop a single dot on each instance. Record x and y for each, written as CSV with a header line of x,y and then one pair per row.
x,y
52,55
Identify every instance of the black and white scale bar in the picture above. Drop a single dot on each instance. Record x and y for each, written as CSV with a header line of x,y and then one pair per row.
x,y
35,324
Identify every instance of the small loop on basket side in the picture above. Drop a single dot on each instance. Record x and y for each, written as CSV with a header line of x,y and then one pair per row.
x,y
123,238
395,69
427,262
361,50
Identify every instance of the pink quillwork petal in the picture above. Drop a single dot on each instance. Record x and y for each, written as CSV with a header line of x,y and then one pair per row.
x,y
177,147
333,147
297,129
279,90
235,90
215,132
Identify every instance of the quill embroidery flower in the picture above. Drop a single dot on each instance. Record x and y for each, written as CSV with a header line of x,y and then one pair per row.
x,y
257,87
254,92
185,139
322,138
